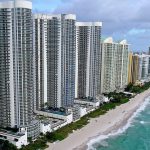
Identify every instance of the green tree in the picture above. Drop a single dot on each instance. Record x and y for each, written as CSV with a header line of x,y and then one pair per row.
x,y
5,145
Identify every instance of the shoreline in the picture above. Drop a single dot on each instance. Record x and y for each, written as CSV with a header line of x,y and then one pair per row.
x,y
108,123
113,131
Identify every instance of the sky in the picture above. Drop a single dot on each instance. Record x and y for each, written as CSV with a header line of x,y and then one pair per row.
x,y
122,19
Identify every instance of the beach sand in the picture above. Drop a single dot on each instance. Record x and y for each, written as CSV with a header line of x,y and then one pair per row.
x,y
111,121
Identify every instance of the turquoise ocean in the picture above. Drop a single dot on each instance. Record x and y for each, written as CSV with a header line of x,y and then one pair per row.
x,y
135,135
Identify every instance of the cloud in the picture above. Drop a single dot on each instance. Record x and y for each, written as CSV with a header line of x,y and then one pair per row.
x,y
121,19
135,31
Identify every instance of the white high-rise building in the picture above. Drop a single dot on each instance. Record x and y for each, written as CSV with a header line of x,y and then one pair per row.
x,y
16,63
88,59
40,52
55,51
143,66
122,60
115,65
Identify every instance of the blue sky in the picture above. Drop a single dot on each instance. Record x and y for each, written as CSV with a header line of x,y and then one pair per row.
x,y
127,19
46,5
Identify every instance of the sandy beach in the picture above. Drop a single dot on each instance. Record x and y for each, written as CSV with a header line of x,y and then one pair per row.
x,y
102,125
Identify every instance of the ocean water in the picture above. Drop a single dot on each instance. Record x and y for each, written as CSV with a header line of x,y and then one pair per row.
x,y
135,135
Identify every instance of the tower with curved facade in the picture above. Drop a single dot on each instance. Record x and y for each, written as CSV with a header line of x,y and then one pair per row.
x,y
16,63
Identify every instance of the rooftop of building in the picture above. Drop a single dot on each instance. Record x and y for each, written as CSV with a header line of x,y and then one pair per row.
x,y
88,23
51,16
110,40
11,133
82,105
49,120
57,111
88,99
18,4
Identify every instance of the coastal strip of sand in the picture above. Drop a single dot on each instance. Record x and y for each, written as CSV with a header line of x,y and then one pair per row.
x,y
105,124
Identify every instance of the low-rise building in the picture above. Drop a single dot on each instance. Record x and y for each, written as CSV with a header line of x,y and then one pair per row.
x,y
33,130
51,120
16,138
49,124
76,112
95,103
66,116
45,127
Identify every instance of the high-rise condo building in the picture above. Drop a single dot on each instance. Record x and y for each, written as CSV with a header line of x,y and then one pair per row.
x,y
143,66
130,67
122,59
55,51
135,68
109,49
115,65
88,59
16,63
40,52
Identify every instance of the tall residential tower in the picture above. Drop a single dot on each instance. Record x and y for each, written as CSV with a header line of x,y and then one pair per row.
x,y
143,66
55,51
122,61
16,63
88,59
40,53
130,68
109,49
133,70
115,65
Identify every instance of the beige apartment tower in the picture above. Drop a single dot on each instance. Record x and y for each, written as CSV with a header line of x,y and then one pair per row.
x,y
114,65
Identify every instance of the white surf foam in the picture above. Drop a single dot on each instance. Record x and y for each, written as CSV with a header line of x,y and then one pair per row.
x,y
142,122
91,143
